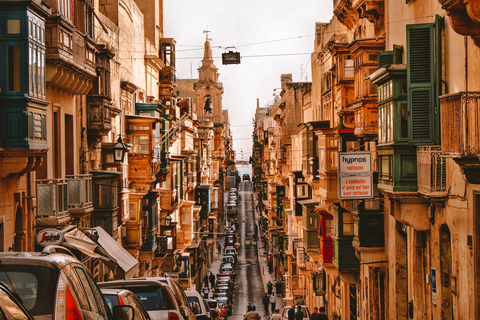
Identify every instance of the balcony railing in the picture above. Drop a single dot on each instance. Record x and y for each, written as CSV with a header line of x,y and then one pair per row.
x,y
460,124
52,195
431,170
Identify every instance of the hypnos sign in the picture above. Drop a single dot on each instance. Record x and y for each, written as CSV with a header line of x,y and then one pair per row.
x,y
355,175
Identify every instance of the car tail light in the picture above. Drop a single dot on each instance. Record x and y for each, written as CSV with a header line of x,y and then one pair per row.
x,y
283,312
173,316
66,305
120,301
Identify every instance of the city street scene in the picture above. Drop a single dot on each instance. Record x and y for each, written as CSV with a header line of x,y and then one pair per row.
x,y
240,160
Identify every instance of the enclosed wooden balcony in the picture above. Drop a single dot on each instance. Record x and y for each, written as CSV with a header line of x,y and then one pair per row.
x,y
52,195
80,201
461,131
432,171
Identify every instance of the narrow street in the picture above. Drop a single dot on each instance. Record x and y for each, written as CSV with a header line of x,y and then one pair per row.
x,y
249,283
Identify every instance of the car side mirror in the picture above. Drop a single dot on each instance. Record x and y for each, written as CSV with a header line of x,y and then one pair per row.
x,y
123,312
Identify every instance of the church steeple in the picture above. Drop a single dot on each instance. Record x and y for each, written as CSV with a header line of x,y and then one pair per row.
x,y
207,53
207,71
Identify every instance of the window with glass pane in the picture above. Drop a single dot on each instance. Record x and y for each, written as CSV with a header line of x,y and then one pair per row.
x,y
347,224
349,68
329,228
404,120
389,124
13,73
381,124
140,144
385,167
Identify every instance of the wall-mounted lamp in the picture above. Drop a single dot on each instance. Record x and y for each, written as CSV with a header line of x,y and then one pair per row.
x,y
119,150
168,220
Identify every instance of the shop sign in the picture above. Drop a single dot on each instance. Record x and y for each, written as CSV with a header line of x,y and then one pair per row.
x,y
355,175
47,237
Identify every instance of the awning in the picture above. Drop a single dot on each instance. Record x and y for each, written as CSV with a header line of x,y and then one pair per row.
x,y
108,250
124,259
309,202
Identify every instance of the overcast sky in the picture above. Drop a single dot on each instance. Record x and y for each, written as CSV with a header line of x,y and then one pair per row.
x,y
266,33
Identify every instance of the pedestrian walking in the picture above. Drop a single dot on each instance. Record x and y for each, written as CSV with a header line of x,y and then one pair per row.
x,y
270,266
291,313
273,302
219,248
223,312
205,281
212,279
314,314
276,315
299,313
266,302
278,287
269,288
321,314
205,291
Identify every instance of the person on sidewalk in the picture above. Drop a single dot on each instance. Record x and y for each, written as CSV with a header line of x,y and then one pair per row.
x,y
205,281
266,302
219,248
205,291
299,313
211,277
270,288
314,314
278,287
276,315
321,314
291,313
273,301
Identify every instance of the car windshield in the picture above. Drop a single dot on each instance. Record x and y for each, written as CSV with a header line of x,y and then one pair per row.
x,y
153,298
194,304
35,285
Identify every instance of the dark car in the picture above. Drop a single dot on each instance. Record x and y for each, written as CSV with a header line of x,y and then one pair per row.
x,y
246,177
119,297
53,283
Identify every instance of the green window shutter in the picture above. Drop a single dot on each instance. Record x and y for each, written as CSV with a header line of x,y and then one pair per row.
x,y
384,58
420,59
397,54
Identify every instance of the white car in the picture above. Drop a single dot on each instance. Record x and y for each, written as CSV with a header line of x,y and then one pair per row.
x,y
199,306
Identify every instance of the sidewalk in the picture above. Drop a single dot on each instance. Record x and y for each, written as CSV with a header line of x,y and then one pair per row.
x,y
263,261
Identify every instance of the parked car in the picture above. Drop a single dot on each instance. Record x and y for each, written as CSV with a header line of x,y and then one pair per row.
x,y
198,305
119,297
178,292
53,284
214,308
224,301
304,309
228,269
223,289
216,296
157,297
230,250
229,259
246,177
224,282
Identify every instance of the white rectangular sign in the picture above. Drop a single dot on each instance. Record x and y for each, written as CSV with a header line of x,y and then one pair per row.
x,y
359,186
352,163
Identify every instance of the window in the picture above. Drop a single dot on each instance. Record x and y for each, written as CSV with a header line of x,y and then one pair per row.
x,y
13,26
84,17
302,191
141,144
386,167
65,8
349,68
36,56
13,73
347,224
404,120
